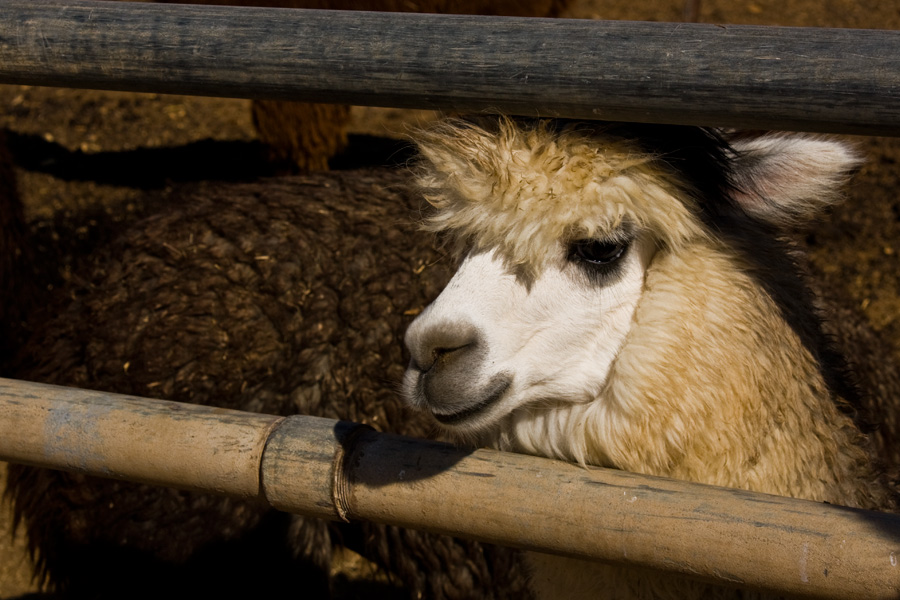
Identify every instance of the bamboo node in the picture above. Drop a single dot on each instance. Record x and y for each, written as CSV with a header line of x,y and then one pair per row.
x,y
341,487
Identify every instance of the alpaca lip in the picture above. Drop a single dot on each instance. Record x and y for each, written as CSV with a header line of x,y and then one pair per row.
x,y
498,387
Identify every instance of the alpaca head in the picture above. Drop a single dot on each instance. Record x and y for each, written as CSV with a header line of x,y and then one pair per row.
x,y
579,242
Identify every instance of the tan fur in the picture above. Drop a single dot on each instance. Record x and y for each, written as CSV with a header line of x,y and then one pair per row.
x,y
301,134
711,383
715,387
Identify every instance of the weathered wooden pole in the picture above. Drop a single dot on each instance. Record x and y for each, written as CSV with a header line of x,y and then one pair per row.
x,y
331,469
738,76
164,443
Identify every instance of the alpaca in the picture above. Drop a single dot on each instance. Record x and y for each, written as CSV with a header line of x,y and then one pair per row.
x,y
283,296
627,299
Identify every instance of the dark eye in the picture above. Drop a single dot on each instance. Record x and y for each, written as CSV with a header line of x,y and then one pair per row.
x,y
597,252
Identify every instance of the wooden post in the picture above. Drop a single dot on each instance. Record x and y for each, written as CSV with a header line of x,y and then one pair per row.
x,y
736,76
333,470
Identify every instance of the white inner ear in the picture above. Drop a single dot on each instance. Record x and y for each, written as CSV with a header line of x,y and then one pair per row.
x,y
787,179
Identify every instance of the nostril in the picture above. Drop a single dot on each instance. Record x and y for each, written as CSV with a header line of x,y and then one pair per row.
x,y
439,343
441,356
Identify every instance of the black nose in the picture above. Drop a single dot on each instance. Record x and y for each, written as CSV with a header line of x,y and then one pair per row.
x,y
441,345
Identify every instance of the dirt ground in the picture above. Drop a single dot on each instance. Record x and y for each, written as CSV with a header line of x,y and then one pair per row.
x,y
70,146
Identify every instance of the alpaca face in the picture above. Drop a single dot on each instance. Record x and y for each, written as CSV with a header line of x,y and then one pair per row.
x,y
496,343
592,256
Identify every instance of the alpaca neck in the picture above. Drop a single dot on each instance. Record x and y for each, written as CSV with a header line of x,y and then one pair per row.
x,y
713,386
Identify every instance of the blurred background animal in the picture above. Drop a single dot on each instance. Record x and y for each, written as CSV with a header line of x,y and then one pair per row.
x,y
281,296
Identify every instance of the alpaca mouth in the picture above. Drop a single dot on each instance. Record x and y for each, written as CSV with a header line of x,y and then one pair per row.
x,y
497,388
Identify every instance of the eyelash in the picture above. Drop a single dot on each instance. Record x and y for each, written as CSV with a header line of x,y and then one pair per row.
x,y
598,259
597,253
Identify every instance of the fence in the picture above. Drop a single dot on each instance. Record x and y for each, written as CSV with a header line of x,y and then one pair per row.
x,y
830,80
758,77
339,470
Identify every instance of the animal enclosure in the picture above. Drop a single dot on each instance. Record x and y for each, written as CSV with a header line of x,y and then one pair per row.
x,y
839,123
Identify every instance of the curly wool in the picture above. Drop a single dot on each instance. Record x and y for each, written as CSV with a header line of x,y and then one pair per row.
x,y
285,296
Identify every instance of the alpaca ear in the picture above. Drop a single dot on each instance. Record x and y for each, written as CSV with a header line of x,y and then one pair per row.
x,y
787,179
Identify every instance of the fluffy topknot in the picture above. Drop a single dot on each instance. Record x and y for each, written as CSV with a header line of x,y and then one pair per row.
x,y
523,186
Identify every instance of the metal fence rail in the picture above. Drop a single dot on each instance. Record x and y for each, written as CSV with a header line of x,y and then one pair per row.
x,y
737,76
331,469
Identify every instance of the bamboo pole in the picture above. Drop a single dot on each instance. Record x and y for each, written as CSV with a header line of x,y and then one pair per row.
x,y
164,443
333,470
835,80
